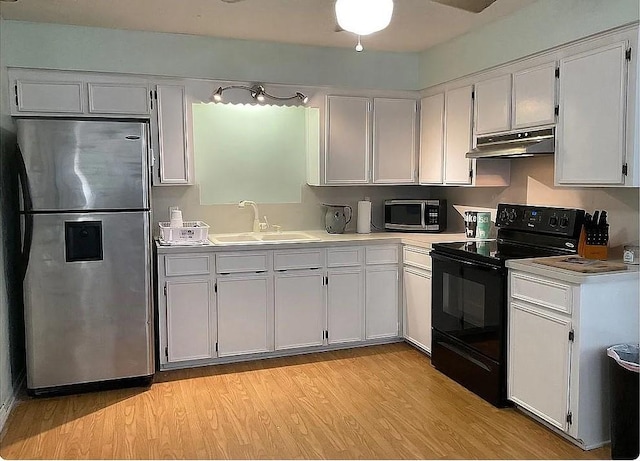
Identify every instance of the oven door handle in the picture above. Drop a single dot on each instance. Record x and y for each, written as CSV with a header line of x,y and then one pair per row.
x,y
474,264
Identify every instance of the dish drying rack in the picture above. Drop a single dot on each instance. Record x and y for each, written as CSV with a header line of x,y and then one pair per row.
x,y
191,233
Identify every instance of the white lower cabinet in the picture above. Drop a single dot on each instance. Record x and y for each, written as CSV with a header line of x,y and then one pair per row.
x,y
217,305
540,348
345,305
558,334
245,314
299,309
416,283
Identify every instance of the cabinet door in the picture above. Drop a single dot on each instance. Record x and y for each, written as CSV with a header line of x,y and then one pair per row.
x,y
417,307
245,315
534,95
458,115
348,140
49,97
345,305
170,136
493,105
190,335
539,360
590,132
431,139
394,140
118,98
381,302
299,309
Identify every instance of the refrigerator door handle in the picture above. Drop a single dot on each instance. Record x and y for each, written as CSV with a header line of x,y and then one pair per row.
x,y
28,217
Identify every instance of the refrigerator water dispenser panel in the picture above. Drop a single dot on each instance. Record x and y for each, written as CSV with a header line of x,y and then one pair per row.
x,y
83,241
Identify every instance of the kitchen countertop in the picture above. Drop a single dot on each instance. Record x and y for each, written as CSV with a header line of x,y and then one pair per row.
x,y
530,265
322,238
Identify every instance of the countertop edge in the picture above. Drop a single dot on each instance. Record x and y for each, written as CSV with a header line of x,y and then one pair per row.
x,y
565,275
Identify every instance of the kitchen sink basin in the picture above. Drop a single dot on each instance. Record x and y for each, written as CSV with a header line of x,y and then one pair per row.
x,y
258,238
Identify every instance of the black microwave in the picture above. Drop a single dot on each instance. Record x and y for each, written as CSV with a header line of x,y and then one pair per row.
x,y
415,215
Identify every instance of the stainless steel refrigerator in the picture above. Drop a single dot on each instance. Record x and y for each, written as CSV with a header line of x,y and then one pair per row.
x,y
86,252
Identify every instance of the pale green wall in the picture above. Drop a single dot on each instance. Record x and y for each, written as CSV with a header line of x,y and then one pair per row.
x,y
88,48
538,27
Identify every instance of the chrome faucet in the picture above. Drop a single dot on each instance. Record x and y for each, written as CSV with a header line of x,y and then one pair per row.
x,y
257,225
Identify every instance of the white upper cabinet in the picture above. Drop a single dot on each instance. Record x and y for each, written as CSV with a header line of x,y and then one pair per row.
x,y
118,98
534,96
169,128
431,139
590,137
369,141
48,97
524,99
493,105
394,140
347,140
457,139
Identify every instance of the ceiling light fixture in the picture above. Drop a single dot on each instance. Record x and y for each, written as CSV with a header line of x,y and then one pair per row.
x,y
363,17
258,93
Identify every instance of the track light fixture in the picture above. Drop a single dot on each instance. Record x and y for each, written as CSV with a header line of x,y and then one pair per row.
x,y
258,93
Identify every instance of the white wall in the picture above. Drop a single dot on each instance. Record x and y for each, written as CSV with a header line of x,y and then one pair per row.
x,y
540,26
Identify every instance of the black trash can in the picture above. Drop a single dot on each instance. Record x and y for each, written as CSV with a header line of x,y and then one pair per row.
x,y
624,389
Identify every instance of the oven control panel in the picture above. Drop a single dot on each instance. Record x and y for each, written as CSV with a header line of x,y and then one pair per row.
x,y
551,220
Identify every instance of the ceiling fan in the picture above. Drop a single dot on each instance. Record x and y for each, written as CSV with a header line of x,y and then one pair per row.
x,y
473,6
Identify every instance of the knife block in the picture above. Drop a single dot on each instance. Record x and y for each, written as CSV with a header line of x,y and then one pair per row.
x,y
591,251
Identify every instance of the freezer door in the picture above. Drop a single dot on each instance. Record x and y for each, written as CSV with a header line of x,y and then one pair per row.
x,y
85,165
88,313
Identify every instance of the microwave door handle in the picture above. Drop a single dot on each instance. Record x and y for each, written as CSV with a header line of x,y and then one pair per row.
x,y
423,209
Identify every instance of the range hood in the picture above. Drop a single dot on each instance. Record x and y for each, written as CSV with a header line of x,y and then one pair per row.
x,y
514,145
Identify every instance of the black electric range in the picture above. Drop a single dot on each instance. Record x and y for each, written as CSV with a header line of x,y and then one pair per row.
x,y
469,292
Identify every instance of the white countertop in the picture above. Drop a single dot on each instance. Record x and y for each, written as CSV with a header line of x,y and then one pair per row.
x,y
565,275
322,238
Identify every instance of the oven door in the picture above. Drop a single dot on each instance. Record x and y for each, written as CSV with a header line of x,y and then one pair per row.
x,y
469,303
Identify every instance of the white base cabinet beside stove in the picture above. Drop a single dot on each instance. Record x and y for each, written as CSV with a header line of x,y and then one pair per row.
x,y
558,334
416,281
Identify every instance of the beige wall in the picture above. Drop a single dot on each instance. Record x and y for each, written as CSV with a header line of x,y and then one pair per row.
x,y
532,183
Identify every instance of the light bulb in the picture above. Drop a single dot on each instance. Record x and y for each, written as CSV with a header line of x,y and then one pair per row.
x,y
359,46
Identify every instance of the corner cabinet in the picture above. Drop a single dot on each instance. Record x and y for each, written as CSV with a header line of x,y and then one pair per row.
x,y
591,143
370,141
557,338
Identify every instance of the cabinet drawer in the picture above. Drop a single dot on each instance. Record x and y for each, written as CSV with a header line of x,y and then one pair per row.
x,y
186,265
543,292
382,254
229,263
310,259
342,257
418,257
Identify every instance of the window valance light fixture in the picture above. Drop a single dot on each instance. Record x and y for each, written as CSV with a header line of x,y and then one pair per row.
x,y
258,93
363,17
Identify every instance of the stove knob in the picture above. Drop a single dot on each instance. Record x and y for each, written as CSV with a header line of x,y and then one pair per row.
x,y
512,215
553,221
504,216
564,221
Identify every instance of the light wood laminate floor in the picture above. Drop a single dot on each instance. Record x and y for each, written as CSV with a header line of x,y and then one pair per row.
x,y
381,402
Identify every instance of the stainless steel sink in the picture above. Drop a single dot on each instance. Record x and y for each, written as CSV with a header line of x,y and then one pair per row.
x,y
262,238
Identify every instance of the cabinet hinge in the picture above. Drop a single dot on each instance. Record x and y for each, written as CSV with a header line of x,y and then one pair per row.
x,y
471,173
216,346
326,280
627,55
16,91
215,287
556,110
165,290
473,95
155,94
151,98
625,169
571,335
326,334
557,72
570,418
166,351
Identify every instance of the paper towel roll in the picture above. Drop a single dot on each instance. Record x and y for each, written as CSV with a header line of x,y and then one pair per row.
x,y
364,217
